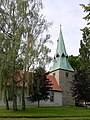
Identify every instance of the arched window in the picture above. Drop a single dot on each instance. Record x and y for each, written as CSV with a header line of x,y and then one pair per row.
x,y
57,55
67,56
63,55
54,57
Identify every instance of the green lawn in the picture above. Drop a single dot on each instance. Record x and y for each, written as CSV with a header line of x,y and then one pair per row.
x,y
63,113
45,118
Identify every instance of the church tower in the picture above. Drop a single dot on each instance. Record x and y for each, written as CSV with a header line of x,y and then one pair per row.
x,y
62,71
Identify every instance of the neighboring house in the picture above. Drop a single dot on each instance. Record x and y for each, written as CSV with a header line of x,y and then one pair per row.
x,y
60,75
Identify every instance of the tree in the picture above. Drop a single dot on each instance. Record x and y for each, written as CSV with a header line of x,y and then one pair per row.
x,y
81,84
85,42
40,86
4,67
85,45
23,28
74,62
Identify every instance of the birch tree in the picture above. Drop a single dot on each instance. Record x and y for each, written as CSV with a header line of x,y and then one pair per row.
x,y
24,29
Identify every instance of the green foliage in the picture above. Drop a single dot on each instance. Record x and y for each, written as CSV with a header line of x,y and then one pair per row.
x,y
81,84
87,10
85,48
22,41
40,86
75,62
85,42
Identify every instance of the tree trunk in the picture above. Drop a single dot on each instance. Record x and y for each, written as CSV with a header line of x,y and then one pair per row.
x,y
6,100
14,94
23,96
85,99
38,103
14,97
14,87
15,102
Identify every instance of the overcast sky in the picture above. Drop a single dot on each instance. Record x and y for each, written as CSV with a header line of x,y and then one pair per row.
x,y
70,15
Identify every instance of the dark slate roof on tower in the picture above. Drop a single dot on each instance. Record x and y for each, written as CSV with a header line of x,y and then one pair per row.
x,y
61,58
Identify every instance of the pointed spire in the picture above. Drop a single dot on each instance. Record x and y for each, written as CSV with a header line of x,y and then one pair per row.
x,y
61,57
60,44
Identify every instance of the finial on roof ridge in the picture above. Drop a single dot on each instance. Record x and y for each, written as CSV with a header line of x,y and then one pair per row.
x,y
60,24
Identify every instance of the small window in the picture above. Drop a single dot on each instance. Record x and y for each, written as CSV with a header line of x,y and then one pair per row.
x,y
53,74
51,96
67,56
57,55
54,59
63,55
67,74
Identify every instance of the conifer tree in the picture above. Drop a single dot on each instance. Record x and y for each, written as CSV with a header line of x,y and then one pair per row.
x,y
40,86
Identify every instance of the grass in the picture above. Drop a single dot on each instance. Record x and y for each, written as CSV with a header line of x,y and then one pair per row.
x,y
50,113
45,118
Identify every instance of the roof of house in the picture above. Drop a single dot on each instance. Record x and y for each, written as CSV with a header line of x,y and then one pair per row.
x,y
54,83
61,58
54,86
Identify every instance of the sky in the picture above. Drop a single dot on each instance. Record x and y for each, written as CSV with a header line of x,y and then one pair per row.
x,y
70,15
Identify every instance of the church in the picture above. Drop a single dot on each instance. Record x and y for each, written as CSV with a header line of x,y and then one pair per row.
x,y
60,75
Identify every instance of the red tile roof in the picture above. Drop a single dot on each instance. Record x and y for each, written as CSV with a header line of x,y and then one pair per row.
x,y
54,83
52,79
